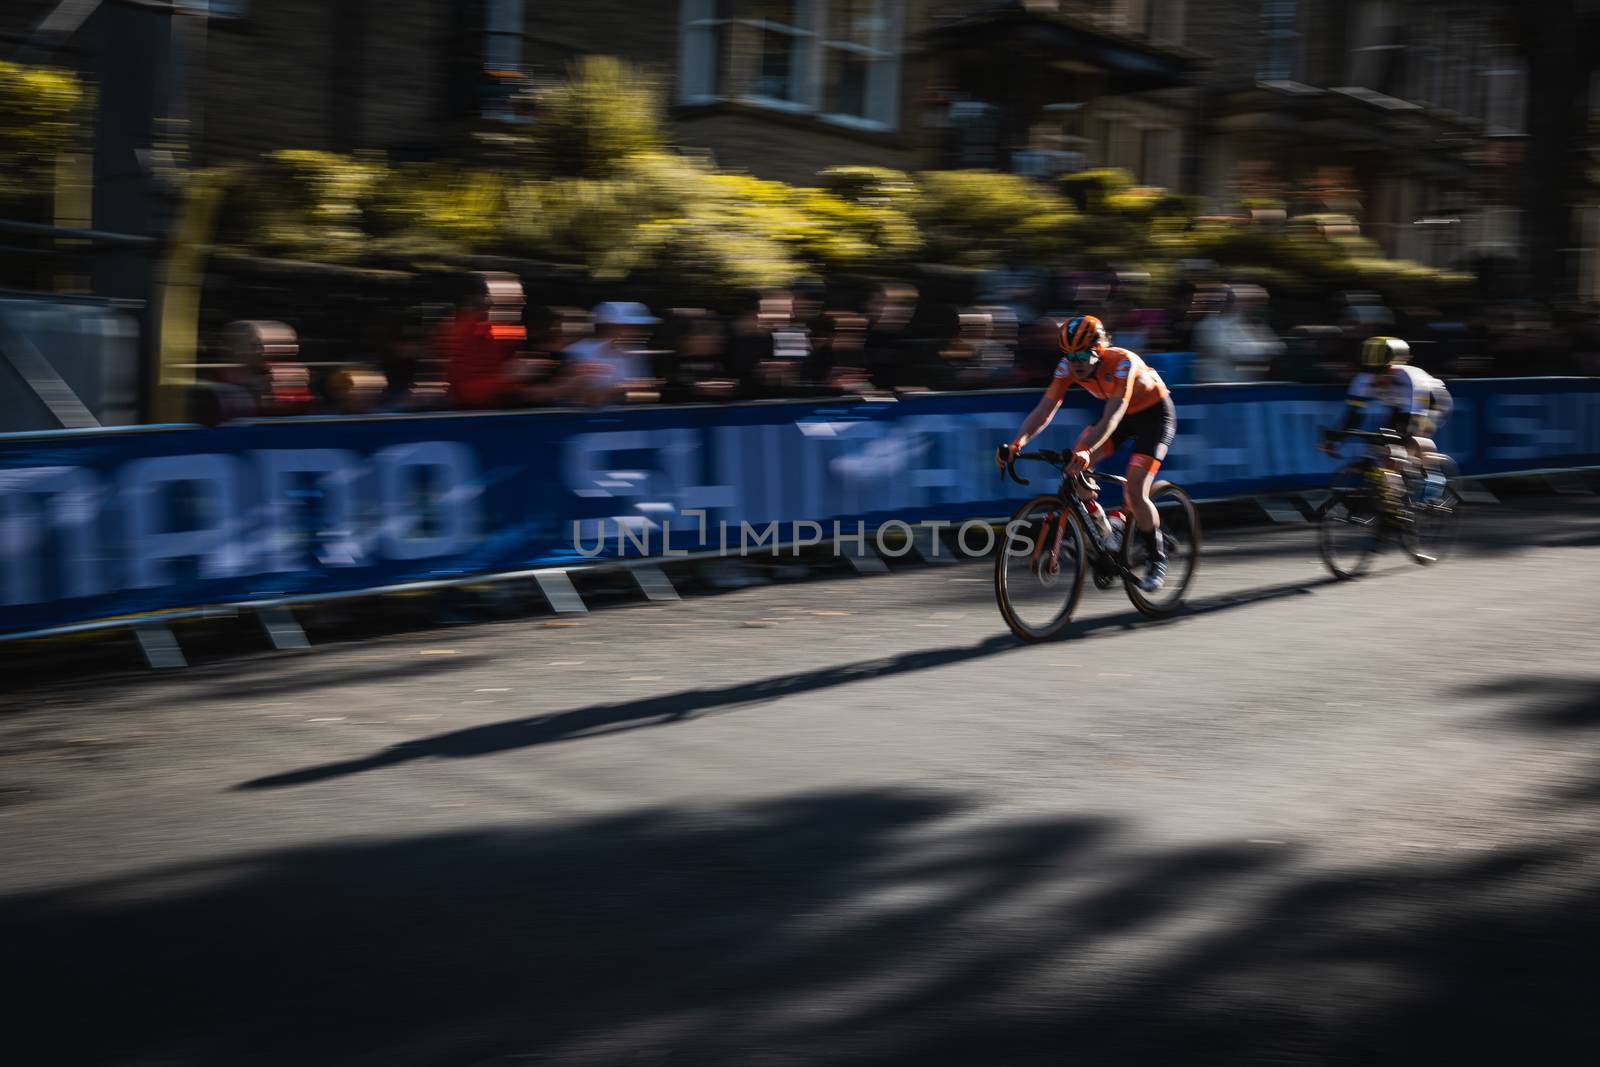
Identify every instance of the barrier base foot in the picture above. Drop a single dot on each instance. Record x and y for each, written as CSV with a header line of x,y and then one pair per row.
x,y
1314,500
1280,510
160,648
864,560
1475,493
558,590
283,629
1570,484
654,583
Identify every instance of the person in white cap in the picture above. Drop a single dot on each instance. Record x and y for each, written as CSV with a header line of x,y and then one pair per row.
x,y
614,356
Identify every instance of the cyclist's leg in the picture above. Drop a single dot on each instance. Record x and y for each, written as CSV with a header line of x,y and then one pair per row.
x,y
1152,432
1141,472
1392,462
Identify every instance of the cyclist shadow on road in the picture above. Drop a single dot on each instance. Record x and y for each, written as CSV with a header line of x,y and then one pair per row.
x,y
599,720
1133,620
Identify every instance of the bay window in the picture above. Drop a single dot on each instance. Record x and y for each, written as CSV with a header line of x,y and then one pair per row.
x,y
838,59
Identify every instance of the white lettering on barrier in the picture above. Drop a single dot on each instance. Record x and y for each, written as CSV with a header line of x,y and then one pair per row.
x,y
217,542
451,517
72,496
233,518
337,474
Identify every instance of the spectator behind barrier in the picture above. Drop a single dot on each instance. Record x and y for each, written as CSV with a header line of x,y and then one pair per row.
x,y
479,341
611,366
413,373
266,357
1236,344
694,345
1038,352
887,352
767,353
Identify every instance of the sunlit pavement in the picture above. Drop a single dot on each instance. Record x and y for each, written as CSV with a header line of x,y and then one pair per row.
x,y
845,820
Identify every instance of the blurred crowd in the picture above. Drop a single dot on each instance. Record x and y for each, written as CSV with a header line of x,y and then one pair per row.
x,y
491,348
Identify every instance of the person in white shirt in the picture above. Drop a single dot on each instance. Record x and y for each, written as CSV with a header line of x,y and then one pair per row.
x,y
1236,344
615,356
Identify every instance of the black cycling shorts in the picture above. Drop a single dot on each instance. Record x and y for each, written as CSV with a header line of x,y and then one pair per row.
x,y
1150,430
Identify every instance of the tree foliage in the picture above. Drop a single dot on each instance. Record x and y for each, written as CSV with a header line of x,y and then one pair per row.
x,y
40,118
590,125
599,191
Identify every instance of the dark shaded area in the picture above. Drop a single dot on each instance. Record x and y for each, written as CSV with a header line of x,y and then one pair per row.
x,y
857,927
1571,703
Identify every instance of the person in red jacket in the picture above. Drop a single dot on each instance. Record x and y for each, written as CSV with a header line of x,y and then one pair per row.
x,y
479,342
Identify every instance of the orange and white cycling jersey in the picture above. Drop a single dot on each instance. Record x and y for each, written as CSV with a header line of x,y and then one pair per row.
x,y
1111,375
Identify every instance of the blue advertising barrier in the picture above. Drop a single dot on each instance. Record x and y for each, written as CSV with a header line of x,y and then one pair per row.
x,y
103,524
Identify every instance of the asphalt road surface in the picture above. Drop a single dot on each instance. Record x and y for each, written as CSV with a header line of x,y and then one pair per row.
x,y
844,820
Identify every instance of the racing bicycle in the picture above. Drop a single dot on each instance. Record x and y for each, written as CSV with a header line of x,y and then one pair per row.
x,y
1051,545
1358,518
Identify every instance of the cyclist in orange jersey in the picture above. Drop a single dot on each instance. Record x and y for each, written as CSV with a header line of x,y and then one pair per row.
x,y
1138,409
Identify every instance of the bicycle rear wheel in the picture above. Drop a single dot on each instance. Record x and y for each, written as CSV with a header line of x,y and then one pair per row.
x,y
1180,536
1351,521
1039,569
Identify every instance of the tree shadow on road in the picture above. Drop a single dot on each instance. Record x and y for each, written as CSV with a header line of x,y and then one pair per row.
x,y
1552,703
874,926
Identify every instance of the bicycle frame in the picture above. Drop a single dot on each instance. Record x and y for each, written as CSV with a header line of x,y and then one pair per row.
x,y
1066,492
1381,446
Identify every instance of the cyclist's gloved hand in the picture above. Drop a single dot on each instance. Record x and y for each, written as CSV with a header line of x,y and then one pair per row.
x,y
1003,454
1080,462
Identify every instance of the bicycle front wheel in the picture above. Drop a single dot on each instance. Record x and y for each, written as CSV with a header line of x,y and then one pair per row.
x,y
1180,536
1039,569
1351,521
1432,531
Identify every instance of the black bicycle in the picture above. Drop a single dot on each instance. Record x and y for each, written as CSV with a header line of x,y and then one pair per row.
x,y
1367,509
1050,544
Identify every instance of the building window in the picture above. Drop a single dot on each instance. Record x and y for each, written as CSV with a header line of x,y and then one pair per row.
x,y
1377,58
1157,158
1504,93
1280,33
1166,21
837,58
502,57
221,9
862,64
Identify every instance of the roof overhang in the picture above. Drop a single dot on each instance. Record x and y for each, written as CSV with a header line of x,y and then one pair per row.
x,y
1129,64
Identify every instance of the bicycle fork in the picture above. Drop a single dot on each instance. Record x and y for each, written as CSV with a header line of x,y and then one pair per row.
x,y
1055,542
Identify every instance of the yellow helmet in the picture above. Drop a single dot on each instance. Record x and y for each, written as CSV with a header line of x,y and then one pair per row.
x,y
1380,352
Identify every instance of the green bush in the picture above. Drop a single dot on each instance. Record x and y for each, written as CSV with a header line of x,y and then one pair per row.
x,y
1090,189
597,189
977,218
40,118
590,125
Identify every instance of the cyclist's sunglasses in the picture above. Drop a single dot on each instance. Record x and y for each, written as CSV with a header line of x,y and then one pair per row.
x,y
1085,356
